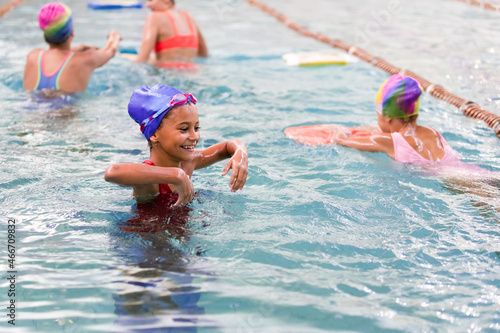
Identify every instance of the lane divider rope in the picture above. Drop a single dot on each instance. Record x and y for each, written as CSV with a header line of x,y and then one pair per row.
x,y
9,6
468,108
482,4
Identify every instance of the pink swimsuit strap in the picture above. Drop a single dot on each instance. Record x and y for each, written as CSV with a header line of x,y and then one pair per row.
x,y
405,153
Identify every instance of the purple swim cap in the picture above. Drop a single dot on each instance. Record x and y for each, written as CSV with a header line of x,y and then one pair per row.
x,y
148,105
398,97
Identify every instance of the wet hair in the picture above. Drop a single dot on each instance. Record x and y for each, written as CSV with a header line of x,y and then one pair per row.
x,y
408,120
150,144
56,44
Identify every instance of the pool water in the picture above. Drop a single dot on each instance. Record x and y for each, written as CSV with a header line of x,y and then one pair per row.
x,y
320,239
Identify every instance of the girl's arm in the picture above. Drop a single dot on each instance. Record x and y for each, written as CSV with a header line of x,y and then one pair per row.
x,y
375,143
83,48
234,149
143,179
99,57
148,39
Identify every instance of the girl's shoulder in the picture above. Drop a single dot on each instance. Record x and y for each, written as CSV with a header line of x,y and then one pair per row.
x,y
34,53
427,132
156,17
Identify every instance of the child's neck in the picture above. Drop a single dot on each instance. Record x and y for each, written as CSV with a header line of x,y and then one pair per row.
x,y
60,47
163,160
400,127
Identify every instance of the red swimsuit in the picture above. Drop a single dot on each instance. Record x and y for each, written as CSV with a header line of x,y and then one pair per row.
x,y
164,188
179,41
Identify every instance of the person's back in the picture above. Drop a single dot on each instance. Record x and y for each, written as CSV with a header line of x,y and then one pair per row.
x,y
177,38
421,145
63,67
171,34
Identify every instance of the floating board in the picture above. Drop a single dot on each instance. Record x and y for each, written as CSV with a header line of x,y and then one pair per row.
x,y
318,58
114,4
127,50
322,134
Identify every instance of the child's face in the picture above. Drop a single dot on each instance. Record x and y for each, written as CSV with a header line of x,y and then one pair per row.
x,y
179,133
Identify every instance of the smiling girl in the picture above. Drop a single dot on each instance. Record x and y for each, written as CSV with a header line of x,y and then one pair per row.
x,y
168,119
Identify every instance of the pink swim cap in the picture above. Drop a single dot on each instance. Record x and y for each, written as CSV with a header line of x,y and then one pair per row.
x,y
55,20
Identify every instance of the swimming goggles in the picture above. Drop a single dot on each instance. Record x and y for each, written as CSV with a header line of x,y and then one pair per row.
x,y
176,100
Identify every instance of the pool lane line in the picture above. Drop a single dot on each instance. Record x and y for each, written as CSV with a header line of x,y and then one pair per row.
x,y
468,108
9,6
481,4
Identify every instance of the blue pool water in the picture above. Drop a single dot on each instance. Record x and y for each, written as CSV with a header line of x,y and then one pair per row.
x,y
320,239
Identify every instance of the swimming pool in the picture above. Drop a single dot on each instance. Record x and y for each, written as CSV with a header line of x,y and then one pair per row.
x,y
320,239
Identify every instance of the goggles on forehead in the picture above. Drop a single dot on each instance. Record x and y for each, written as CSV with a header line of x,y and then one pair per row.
x,y
176,100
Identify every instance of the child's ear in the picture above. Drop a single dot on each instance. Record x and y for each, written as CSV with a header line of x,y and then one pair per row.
x,y
154,138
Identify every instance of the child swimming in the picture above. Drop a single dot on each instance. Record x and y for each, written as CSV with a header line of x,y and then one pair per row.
x,y
169,121
399,135
69,68
172,34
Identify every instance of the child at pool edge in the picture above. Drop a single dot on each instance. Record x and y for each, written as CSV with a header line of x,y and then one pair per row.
x,y
168,119
71,66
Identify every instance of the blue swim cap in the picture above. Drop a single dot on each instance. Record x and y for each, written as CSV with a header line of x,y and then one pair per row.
x,y
148,106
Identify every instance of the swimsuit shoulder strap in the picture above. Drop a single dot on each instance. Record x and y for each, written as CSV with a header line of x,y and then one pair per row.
x,y
172,21
61,66
190,22
402,149
446,147
61,69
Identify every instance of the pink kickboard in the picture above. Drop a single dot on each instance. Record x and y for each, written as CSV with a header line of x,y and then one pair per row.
x,y
320,134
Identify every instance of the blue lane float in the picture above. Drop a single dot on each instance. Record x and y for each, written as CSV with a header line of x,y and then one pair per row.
x,y
127,50
114,4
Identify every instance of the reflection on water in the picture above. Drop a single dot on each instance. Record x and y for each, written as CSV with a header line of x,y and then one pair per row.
x,y
52,104
156,286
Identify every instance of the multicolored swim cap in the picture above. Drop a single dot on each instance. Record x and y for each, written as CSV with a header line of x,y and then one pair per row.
x,y
56,22
148,105
398,97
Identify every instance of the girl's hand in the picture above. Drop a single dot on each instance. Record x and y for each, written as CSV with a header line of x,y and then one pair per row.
x,y
239,164
114,35
339,136
184,188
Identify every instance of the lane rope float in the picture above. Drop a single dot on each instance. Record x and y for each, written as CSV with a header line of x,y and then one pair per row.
x,y
482,4
468,108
